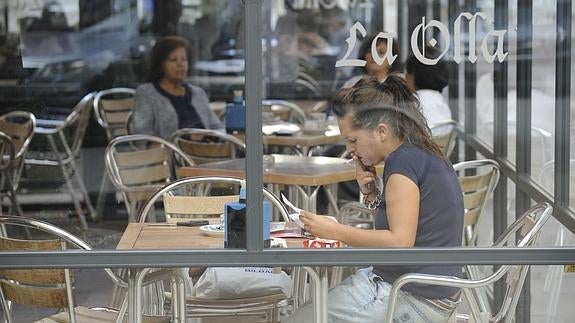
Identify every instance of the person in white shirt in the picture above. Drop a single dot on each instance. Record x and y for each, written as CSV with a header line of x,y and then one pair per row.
x,y
428,81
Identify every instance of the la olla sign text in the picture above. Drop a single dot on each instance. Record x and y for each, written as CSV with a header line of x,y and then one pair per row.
x,y
419,33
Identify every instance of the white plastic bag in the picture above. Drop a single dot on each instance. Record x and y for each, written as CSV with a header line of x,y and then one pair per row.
x,y
240,282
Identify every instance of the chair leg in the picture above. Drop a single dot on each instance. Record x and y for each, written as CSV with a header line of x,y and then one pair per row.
x,y
84,191
68,181
15,205
6,308
101,201
119,294
77,204
123,309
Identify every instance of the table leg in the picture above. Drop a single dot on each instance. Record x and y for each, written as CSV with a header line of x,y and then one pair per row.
x,y
324,289
182,298
132,295
309,194
331,193
175,303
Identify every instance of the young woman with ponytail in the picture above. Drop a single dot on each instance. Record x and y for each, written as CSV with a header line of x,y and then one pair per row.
x,y
417,203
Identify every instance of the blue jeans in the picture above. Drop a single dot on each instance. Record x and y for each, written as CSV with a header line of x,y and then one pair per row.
x,y
363,297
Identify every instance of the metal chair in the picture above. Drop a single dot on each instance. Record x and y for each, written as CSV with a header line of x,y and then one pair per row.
x,y
356,214
204,146
51,287
65,139
112,108
528,228
285,110
186,205
444,134
219,108
169,191
138,165
16,131
476,188
554,277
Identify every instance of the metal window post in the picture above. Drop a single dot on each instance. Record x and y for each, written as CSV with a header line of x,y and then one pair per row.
x,y
254,141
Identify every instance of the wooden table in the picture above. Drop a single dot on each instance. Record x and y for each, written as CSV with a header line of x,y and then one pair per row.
x,y
308,173
302,141
154,236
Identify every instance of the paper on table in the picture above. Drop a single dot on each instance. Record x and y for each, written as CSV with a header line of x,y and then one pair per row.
x,y
290,204
295,218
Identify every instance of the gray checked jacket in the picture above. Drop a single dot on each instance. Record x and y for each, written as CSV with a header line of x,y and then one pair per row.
x,y
154,114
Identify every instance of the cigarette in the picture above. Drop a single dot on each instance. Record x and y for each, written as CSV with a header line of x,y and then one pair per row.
x,y
349,161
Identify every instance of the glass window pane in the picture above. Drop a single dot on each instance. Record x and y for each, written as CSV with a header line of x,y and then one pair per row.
x,y
485,94
543,90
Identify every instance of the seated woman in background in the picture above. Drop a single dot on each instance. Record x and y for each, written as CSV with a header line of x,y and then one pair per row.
x,y
371,68
417,203
429,81
167,103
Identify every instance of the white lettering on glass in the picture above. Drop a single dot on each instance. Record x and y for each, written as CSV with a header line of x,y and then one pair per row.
x,y
388,52
419,33
329,4
351,40
420,30
500,34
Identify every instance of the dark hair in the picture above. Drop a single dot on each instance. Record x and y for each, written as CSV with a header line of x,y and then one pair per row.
x,y
370,102
366,48
160,52
434,77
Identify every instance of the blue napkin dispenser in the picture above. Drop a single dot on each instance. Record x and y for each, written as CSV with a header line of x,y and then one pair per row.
x,y
235,223
236,114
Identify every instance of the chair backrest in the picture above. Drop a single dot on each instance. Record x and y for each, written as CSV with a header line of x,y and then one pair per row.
x,y
185,206
219,108
524,232
546,177
18,126
476,189
444,134
204,146
38,287
111,109
6,160
76,123
285,110
138,165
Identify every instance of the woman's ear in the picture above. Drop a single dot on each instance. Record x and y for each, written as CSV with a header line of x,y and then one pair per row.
x,y
382,131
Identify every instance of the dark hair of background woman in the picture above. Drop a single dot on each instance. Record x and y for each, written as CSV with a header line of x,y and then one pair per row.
x,y
434,77
160,52
366,48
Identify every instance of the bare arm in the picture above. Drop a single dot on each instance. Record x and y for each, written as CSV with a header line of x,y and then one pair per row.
x,y
402,203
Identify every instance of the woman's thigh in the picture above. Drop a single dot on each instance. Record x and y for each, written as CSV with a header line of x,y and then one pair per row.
x,y
363,297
